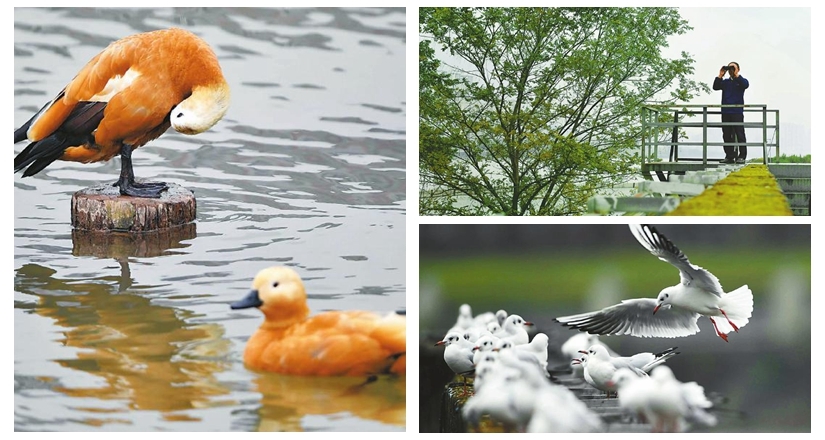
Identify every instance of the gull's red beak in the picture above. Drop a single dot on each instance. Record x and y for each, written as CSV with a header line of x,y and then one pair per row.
x,y
582,352
439,343
656,308
528,323
476,348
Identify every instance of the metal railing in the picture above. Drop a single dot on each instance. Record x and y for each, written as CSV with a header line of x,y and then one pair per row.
x,y
657,120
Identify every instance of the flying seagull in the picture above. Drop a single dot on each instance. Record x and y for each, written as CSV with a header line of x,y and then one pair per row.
x,y
675,311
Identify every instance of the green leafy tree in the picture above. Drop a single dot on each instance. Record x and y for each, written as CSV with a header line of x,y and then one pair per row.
x,y
532,110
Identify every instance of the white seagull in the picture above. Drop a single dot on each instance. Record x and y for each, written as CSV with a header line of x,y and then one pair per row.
x,y
599,366
698,293
464,320
580,341
526,353
634,393
537,347
678,404
483,344
513,330
458,355
640,361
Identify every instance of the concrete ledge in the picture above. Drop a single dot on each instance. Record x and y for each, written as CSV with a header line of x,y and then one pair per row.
x,y
798,184
790,169
657,205
678,188
724,190
799,200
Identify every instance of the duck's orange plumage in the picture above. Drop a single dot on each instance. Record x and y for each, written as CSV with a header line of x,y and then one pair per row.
x,y
126,96
350,343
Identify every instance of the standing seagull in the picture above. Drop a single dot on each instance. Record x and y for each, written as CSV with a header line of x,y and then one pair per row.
x,y
599,366
513,330
698,293
459,355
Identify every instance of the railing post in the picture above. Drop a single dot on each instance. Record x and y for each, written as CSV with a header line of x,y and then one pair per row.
x,y
674,138
705,136
653,133
777,135
644,134
764,134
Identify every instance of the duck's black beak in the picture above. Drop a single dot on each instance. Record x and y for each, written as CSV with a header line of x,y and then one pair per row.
x,y
250,300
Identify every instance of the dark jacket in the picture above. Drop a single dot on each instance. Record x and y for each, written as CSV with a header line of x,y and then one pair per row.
x,y
733,92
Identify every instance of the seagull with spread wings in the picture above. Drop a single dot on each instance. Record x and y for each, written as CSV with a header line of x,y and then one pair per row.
x,y
676,310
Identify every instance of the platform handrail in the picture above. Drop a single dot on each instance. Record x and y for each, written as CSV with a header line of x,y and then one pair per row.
x,y
656,120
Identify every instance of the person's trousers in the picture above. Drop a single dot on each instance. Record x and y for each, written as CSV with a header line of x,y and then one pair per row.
x,y
734,133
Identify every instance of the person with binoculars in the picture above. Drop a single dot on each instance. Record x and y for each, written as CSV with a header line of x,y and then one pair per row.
x,y
733,92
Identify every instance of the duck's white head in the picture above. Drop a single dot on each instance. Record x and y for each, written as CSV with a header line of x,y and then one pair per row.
x,y
201,110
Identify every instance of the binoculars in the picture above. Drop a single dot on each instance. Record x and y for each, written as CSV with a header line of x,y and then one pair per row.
x,y
729,68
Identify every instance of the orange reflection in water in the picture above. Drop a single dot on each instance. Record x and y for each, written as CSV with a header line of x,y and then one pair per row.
x,y
148,355
287,399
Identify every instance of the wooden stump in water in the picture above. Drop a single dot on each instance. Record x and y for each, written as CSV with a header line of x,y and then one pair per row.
x,y
102,208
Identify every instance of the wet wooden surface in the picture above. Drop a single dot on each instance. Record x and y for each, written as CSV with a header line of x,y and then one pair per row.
x,y
102,208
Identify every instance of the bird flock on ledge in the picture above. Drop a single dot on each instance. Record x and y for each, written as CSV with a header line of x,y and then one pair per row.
x,y
510,379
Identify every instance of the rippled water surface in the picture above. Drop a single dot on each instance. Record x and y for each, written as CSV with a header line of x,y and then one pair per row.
x,y
307,169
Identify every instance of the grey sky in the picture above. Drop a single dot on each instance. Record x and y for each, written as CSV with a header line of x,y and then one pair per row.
x,y
773,48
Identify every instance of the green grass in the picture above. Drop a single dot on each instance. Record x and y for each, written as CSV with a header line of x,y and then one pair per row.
x,y
792,159
491,281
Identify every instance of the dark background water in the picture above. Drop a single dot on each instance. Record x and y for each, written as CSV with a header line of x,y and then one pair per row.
x,y
307,169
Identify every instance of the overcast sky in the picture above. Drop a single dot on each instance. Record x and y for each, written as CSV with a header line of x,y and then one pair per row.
x,y
773,49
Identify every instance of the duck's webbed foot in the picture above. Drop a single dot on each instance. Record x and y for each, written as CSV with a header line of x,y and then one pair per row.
x,y
127,184
151,190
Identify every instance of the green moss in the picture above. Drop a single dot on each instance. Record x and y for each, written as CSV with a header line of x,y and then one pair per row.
x,y
753,190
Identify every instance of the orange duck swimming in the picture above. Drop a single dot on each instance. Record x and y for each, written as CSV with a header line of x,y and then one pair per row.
x,y
126,96
350,343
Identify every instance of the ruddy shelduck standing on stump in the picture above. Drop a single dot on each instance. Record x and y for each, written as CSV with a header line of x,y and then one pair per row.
x,y
339,343
126,96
